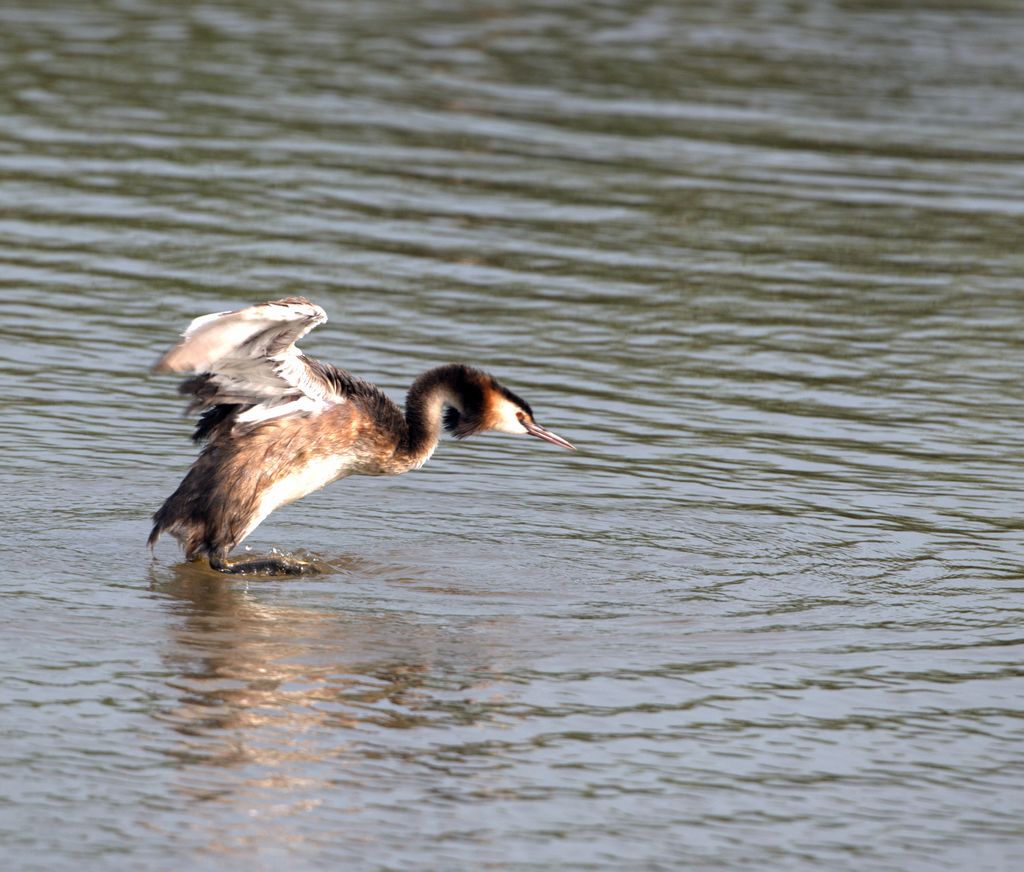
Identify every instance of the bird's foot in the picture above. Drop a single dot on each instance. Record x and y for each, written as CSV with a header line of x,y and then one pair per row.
x,y
264,566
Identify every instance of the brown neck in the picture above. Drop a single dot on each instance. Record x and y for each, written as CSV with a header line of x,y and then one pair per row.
x,y
454,385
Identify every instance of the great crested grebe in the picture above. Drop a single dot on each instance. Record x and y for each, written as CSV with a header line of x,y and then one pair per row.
x,y
279,425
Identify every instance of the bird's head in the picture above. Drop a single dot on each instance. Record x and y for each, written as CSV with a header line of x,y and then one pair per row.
x,y
486,404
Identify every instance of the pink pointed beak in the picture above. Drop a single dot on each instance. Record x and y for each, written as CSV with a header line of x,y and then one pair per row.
x,y
547,435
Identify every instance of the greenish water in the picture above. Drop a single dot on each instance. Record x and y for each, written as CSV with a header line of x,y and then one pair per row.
x,y
761,262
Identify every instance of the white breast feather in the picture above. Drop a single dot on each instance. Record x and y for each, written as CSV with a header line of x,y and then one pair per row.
x,y
309,478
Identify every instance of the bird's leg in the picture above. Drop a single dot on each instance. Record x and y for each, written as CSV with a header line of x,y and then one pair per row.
x,y
264,566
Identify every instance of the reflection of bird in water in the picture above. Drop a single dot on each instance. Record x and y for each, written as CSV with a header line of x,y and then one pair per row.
x,y
261,681
279,425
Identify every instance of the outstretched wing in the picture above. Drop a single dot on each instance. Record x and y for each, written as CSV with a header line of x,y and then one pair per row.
x,y
247,359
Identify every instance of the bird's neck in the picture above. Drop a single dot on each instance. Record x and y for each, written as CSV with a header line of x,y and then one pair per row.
x,y
451,385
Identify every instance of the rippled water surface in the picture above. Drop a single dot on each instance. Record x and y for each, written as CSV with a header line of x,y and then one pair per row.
x,y
761,261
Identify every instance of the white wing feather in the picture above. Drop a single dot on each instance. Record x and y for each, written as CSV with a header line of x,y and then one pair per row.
x,y
250,358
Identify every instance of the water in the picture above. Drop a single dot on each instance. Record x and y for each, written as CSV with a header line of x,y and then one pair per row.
x,y
760,261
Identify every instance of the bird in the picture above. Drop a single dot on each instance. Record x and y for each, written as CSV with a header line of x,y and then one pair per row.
x,y
277,425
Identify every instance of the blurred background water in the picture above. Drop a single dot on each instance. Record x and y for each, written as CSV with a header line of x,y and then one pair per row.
x,y
760,261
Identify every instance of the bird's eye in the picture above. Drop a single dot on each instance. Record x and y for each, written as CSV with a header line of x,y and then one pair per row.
x,y
521,416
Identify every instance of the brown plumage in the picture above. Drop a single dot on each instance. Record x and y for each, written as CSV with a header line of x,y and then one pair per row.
x,y
279,425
